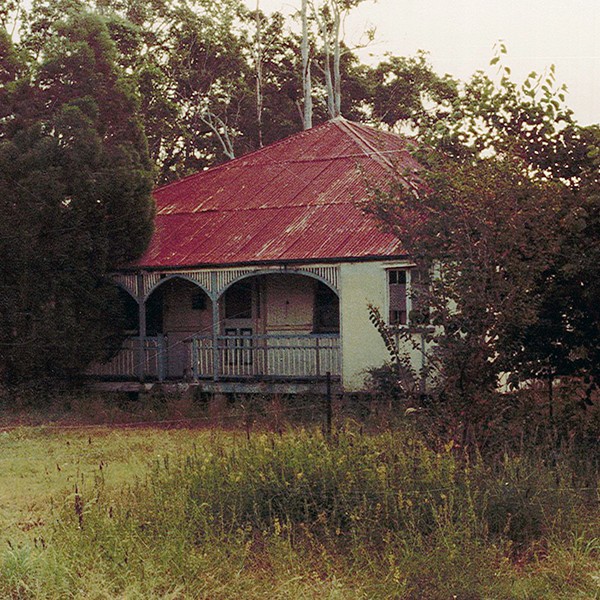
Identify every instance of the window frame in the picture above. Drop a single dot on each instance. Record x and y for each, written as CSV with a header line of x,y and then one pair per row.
x,y
412,279
390,272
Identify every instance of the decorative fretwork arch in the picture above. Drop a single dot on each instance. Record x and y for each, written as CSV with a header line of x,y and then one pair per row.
x,y
215,281
129,283
328,276
152,283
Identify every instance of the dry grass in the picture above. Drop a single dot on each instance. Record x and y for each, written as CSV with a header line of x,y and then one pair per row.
x,y
144,488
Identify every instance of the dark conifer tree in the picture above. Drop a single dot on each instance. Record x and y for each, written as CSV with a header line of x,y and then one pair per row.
x,y
75,199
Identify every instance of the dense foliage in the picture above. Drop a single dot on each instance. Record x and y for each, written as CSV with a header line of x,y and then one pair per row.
x,y
75,183
506,225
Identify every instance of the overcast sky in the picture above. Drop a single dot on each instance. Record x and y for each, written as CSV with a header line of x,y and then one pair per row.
x,y
460,36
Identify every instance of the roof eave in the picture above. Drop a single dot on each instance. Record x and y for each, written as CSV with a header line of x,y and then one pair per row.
x,y
265,263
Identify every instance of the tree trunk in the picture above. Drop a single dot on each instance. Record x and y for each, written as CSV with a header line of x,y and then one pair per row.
x,y
327,67
258,54
306,81
337,83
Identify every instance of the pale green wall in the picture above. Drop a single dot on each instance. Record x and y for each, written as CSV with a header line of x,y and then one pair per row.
x,y
362,284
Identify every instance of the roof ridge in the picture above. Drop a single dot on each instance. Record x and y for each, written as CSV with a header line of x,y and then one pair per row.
x,y
238,159
350,127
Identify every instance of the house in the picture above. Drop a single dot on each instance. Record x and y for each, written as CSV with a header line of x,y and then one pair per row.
x,y
261,270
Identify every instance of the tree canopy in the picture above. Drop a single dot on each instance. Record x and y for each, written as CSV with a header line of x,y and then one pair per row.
x,y
75,198
217,80
506,222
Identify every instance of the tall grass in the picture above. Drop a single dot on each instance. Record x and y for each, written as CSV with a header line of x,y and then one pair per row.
x,y
298,515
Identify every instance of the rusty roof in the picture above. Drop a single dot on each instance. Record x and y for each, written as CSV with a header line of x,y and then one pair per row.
x,y
294,201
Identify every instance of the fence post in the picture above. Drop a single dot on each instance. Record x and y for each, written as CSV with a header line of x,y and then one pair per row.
x,y
195,358
142,325
329,406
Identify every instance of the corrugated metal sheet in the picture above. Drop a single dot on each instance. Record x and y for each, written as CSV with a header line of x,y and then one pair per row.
x,y
295,200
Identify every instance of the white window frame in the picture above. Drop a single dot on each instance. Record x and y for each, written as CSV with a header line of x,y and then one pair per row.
x,y
407,269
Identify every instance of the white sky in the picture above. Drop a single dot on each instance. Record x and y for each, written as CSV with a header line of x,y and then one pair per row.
x,y
460,35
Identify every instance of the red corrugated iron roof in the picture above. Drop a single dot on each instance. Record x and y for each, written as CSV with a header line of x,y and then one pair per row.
x,y
296,200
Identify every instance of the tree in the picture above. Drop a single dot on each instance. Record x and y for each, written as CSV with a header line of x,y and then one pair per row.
x,y
329,16
75,183
306,76
188,60
406,92
9,69
485,232
565,341
500,215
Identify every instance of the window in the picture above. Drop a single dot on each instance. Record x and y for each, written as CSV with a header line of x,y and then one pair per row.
x,y
327,310
407,298
398,297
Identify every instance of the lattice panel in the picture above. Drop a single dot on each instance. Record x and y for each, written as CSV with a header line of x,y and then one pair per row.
x,y
129,282
329,274
224,278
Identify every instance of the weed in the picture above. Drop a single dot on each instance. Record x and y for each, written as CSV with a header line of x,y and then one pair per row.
x,y
223,514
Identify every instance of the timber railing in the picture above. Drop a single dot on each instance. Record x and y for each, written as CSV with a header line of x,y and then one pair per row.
x,y
271,356
286,356
127,363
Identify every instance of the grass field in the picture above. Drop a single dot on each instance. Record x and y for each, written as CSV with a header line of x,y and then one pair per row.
x,y
41,466
90,511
